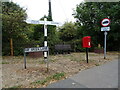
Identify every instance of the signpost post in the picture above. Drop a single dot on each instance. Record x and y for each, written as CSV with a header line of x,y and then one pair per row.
x,y
105,23
45,23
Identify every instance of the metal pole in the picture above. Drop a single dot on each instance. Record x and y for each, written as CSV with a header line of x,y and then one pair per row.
x,y
87,54
105,33
50,12
24,60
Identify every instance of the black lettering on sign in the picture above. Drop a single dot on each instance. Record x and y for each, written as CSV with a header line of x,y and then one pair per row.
x,y
36,49
32,49
26,49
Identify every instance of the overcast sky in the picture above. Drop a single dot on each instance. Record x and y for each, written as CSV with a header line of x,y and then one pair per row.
x,y
62,10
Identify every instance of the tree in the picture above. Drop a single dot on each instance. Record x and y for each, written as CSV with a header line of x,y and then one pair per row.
x,y
68,34
89,16
13,26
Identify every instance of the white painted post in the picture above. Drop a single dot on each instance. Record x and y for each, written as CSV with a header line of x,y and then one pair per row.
x,y
45,43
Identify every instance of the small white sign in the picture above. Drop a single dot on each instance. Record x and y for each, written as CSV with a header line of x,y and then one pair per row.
x,y
36,49
105,28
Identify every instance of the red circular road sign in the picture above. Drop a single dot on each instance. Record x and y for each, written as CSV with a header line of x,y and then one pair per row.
x,y
105,22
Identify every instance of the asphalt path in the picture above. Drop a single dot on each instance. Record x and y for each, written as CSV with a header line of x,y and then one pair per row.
x,y
104,76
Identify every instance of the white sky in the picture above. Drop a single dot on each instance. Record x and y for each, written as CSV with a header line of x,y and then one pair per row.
x,y
62,10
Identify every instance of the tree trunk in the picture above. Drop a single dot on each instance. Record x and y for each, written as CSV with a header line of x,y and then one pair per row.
x,y
11,46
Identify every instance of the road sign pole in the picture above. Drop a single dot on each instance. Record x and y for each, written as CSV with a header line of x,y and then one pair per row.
x,y
105,23
105,33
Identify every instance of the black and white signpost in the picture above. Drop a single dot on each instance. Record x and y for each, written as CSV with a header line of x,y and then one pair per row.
x,y
45,43
45,49
105,23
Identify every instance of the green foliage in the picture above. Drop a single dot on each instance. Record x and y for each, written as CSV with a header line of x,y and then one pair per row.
x,y
38,32
40,82
14,87
52,38
68,35
13,19
89,16
58,76
13,26
67,32
97,64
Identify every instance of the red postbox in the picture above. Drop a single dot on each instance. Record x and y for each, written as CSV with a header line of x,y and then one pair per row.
x,y
86,42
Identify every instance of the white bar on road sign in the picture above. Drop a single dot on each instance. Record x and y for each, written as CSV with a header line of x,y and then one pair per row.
x,y
105,28
42,22
49,23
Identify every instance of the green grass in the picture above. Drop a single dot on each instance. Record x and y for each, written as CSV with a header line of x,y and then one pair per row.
x,y
15,87
41,62
40,82
52,60
75,59
56,76
97,64
4,63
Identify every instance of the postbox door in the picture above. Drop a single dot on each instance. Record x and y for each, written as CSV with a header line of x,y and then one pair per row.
x,y
86,42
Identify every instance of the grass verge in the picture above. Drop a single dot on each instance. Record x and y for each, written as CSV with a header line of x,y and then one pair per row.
x,y
4,63
54,77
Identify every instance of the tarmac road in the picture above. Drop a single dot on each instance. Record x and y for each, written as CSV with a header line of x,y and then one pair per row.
x,y
104,76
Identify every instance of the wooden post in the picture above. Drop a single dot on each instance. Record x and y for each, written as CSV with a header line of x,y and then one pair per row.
x,y
24,59
11,46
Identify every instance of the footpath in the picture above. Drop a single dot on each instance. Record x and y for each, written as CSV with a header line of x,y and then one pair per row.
x,y
104,76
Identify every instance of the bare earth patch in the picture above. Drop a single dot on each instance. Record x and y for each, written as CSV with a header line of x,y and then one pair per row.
x,y
60,67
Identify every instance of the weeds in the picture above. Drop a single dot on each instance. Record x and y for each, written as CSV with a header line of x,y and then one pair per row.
x,y
15,87
56,76
52,60
5,62
97,64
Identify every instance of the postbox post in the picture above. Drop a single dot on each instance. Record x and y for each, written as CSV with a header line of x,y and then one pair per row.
x,y
87,54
